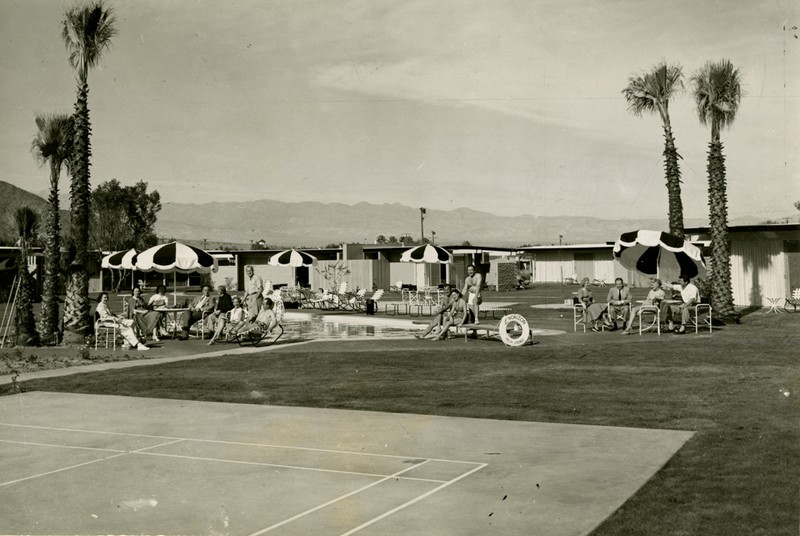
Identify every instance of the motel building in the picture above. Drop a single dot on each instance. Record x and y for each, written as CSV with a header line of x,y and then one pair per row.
x,y
765,265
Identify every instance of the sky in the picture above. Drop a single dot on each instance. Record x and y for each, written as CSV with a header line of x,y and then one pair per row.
x,y
508,106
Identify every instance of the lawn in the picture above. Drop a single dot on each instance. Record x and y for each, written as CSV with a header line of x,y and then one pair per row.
x,y
738,389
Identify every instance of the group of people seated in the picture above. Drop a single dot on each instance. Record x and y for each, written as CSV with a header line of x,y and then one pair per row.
x,y
459,307
618,305
147,317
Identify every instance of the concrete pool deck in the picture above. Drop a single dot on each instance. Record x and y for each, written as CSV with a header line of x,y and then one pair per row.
x,y
92,464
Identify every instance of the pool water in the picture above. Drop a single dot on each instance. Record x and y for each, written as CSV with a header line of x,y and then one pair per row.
x,y
307,326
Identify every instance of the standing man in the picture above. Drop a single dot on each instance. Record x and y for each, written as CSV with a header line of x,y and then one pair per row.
x,y
472,290
690,297
253,287
619,298
200,305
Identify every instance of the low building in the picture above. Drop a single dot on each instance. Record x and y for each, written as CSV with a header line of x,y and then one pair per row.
x,y
765,261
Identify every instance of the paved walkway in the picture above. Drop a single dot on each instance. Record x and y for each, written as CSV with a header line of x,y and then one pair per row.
x,y
92,464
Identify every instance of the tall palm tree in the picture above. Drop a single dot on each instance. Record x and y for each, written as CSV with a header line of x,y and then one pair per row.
x,y
651,93
27,223
87,30
718,92
52,145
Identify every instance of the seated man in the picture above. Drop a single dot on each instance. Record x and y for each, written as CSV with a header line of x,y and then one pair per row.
x,y
265,320
690,297
619,299
654,298
438,313
202,304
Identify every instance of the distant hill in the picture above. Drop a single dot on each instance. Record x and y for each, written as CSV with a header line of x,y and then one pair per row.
x,y
237,224
12,198
317,224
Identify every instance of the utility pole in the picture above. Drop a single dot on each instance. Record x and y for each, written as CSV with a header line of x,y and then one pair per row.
x,y
422,225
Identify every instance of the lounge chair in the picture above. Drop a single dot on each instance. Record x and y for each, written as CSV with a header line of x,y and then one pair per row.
x,y
791,305
256,334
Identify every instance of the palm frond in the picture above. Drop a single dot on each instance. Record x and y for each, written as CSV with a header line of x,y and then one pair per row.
x,y
717,93
651,92
53,140
87,30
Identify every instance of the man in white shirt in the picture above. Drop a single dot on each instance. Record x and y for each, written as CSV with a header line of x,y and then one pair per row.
x,y
253,287
690,297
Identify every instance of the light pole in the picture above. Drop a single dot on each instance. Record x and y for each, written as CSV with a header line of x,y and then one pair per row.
x,y
421,225
433,237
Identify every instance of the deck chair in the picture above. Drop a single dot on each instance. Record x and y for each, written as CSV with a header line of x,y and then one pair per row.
x,y
254,336
340,299
356,301
791,305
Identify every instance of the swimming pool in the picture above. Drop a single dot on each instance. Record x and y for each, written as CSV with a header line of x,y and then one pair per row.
x,y
303,326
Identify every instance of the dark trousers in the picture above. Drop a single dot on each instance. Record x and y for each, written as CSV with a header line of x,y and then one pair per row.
x,y
190,317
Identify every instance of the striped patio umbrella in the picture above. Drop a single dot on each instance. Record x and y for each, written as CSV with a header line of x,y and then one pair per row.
x,y
428,254
120,260
175,257
658,254
292,257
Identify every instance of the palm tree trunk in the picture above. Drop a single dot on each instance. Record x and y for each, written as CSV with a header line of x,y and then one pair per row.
x,y
76,309
721,289
25,320
48,321
673,175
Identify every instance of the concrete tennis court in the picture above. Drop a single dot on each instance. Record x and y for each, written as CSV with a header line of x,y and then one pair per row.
x,y
89,464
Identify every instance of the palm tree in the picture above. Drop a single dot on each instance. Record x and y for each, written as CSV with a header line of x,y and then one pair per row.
x,y
651,93
718,92
87,30
27,223
52,145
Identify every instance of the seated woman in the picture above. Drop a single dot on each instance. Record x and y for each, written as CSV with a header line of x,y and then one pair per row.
x,y
592,312
654,299
457,315
438,314
157,300
265,321
146,321
217,320
125,325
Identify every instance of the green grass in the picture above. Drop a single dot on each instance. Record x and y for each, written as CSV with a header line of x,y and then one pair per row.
x,y
739,473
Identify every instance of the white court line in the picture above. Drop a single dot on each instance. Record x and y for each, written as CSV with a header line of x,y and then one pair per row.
x,y
299,467
267,445
85,463
58,446
412,501
337,499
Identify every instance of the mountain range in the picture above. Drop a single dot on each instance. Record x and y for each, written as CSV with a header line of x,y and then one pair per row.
x,y
316,224
310,223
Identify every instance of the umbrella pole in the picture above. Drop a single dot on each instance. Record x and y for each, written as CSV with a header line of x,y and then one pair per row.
x,y
175,288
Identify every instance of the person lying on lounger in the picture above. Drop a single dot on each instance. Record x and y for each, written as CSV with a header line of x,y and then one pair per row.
x,y
265,320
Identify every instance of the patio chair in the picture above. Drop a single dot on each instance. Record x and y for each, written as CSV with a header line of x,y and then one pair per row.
x,y
791,305
106,331
578,315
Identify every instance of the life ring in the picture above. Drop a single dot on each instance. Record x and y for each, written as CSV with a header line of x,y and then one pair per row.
x,y
514,330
